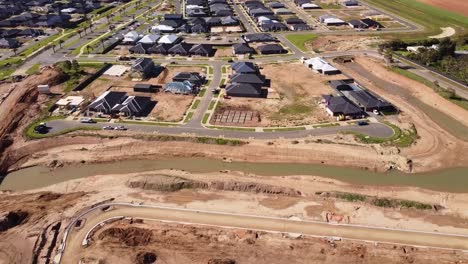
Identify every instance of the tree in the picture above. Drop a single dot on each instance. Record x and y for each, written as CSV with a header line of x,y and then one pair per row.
x,y
15,50
79,32
388,57
61,42
88,48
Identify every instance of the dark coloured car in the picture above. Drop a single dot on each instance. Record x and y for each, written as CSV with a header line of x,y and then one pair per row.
x,y
362,123
41,129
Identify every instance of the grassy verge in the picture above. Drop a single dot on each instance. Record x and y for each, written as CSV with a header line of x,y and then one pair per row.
x,y
34,69
283,129
195,104
233,128
299,40
29,131
202,92
432,18
188,117
326,125
149,123
205,118
400,138
212,105
449,95
380,202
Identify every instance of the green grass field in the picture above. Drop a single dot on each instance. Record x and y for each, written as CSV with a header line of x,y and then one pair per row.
x,y
299,40
430,17
34,69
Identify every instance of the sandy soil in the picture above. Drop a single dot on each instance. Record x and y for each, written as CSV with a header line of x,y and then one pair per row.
x,y
342,43
293,96
173,242
446,32
435,147
223,52
457,6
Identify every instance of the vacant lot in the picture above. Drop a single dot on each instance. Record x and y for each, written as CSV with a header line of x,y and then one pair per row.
x,y
294,94
299,40
342,43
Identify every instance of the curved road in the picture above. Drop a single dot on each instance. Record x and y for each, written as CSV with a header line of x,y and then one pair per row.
x,y
72,241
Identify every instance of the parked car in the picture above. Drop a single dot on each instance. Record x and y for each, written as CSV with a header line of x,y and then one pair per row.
x,y
215,91
362,123
122,128
108,127
88,120
376,112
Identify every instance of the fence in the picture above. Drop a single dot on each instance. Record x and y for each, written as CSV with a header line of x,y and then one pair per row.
x,y
93,77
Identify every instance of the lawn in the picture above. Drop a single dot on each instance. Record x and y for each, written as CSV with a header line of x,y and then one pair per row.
x,y
299,40
34,69
432,18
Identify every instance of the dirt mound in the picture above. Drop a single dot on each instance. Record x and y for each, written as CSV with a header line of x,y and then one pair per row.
x,y
132,236
221,261
12,219
146,258
170,183
49,196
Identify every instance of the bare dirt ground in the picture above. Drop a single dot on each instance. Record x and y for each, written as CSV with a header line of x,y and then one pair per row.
x,y
435,147
223,52
342,43
298,91
259,195
457,6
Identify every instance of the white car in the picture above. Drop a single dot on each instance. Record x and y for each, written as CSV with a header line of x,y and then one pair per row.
x,y
376,112
87,120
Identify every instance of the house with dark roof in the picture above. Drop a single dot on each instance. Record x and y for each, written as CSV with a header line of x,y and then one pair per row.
x,y
252,78
340,85
244,67
106,101
271,49
160,49
202,50
340,105
350,3
229,21
368,101
182,49
9,43
31,32
259,37
294,20
195,12
242,48
133,106
370,23
273,27
356,24
213,21
138,49
276,5
142,68
243,90
173,17
299,27
200,28
193,77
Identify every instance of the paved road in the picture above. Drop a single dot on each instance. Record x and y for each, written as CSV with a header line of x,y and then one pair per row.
x,y
373,129
95,216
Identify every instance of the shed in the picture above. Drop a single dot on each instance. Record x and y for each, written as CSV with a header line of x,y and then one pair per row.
x,y
145,88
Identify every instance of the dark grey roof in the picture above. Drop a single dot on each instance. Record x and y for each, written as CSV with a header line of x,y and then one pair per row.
x,y
271,49
199,28
173,17
259,37
138,49
181,49
371,23
357,23
294,20
107,101
268,27
298,27
247,78
340,85
202,49
193,77
341,105
160,48
9,43
142,64
244,67
133,105
367,100
242,48
243,90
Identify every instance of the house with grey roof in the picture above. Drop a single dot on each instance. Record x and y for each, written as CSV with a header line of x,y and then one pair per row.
x,y
184,87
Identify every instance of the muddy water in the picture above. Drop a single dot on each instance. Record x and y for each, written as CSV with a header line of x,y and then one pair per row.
x,y
451,180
